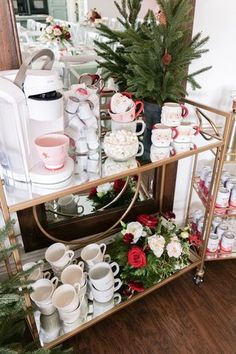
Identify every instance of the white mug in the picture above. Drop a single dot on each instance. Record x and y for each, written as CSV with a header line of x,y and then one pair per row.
x,y
92,138
67,204
72,316
172,114
162,135
99,308
74,274
186,131
42,295
80,164
131,126
93,253
182,147
160,153
37,273
105,295
58,255
66,298
102,275
91,122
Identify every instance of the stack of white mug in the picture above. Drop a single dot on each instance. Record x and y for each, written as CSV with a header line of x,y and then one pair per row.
x,y
102,281
172,135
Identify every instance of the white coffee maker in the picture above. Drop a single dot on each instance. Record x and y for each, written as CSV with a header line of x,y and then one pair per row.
x,y
31,106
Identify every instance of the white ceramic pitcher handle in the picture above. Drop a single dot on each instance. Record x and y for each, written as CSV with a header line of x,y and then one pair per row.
x,y
47,275
81,265
140,153
54,281
77,287
143,127
117,268
117,284
103,248
117,298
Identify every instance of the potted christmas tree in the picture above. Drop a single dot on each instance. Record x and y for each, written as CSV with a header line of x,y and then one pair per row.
x,y
155,55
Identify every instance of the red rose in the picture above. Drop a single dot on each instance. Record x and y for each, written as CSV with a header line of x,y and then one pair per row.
x,y
147,220
92,192
128,238
136,286
169,215
136,257
118,185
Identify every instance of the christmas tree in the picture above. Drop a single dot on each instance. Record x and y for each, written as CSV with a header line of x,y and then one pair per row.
x,y
152,58
12,309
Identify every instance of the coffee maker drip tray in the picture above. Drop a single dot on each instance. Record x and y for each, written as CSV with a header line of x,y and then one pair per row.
x,y
52,179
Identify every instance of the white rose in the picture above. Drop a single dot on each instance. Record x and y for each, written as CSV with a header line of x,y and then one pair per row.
x,y
156,243
57,32
49,19
104,188
136,229
49,29
174,249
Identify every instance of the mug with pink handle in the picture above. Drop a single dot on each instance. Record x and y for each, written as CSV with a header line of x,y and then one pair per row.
x,y
172,114
129,115
162,135
53,150
185,132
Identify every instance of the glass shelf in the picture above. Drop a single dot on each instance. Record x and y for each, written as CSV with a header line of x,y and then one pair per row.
x,y
25,195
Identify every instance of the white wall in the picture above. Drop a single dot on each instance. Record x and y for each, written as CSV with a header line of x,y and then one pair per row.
x,y
217,19
107,8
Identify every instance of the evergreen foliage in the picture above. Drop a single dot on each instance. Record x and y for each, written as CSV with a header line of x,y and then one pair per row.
x,y
152,58
12,309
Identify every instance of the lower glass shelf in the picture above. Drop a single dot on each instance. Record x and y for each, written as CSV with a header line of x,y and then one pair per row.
x,y
194,261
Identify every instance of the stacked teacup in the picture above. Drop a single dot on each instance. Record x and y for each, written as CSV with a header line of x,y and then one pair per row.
x,y
59,257
122,144
173,115
101,274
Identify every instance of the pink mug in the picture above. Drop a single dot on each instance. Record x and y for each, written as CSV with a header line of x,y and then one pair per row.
x,y
130,115
53,150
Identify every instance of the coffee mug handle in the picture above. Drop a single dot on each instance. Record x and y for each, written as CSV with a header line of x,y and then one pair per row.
x,y
47,275
117,268
184,110
107,258
143,127
140,153
194,147
117,284
54,281
70,254
172,152
175,131
81,265
140,109
198,129
117,298
101,85
103,248
82,209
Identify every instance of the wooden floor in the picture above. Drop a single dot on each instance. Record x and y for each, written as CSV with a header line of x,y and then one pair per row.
x,y
179,318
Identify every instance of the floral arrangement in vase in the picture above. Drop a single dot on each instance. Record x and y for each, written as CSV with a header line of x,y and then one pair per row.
x,y
106,193
58,34
149,250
